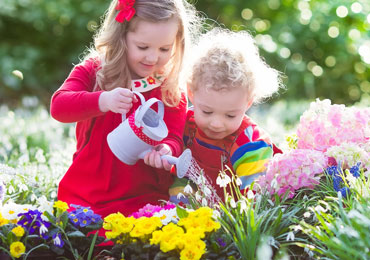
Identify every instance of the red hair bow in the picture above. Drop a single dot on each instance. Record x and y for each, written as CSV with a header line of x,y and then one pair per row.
x,y
126,10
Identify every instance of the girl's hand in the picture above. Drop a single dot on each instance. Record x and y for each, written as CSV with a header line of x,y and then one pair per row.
x,y
153,158
118,100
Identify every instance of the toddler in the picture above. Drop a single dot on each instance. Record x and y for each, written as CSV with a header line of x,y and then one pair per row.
x,y
226,78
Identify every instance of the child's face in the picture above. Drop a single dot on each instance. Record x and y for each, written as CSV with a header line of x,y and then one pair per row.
x,y
219,113
149,47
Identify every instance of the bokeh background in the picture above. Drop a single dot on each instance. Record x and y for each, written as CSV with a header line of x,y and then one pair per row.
x,y
321,46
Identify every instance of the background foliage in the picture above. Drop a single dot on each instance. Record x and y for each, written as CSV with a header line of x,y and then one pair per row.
x,y
322,47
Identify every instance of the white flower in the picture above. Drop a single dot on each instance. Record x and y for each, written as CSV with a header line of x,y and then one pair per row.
x,y
204,202
44,205
43,229
167,216
216,214
11,189
6,169
198,197
243,206
264,251
222,180
319,208
180,195
238,181
11,210
33,197
188,189
290,236
53,194
307,214
250,194
207,191
57,241
308,251
40,156
23,187
274,184
232,203
297,228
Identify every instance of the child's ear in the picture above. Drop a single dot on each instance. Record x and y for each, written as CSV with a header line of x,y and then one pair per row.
x,y
190,94
250,103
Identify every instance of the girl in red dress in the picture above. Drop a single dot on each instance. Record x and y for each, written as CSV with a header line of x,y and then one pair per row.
x,y
139,47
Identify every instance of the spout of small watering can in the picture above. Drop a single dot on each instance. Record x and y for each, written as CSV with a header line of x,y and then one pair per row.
x,y
171,159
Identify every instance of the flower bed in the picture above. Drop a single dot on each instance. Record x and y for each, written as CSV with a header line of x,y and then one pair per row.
x,y
313,202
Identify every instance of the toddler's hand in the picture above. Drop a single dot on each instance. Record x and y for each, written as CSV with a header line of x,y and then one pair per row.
x,y
153,158
118,100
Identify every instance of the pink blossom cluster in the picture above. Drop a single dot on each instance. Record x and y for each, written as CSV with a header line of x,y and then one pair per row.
x,y
288,172
325,125
149,210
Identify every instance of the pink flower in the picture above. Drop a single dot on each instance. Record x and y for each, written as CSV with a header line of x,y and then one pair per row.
x,y
325,125
294,170
148,210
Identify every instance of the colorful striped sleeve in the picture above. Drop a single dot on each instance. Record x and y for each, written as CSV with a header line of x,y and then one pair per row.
x,y
250,158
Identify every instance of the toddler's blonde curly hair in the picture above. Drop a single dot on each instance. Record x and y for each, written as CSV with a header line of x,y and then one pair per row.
x,y
223,59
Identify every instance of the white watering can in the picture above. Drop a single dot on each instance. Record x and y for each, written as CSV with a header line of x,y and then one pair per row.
x,y
140,132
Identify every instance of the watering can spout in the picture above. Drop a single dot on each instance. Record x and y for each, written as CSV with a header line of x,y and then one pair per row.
x,y
183,162
170,159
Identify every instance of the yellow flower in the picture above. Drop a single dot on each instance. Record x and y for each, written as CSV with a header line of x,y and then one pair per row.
x,y
147,225
118,224
170,237
191,239
190,254
17,249
201,212
210,225
61,205
18,231
168,243
156,237
137,232
3,221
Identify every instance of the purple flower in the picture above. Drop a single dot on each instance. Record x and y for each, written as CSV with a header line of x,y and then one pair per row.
x,y
33,223
337,184
83,216
57,240
355,170
332,170
221,242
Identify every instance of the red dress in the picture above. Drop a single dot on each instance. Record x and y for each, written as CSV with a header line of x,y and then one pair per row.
x,y
96,177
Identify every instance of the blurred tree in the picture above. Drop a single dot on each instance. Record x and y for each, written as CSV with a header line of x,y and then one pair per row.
x,y
322,46
43,39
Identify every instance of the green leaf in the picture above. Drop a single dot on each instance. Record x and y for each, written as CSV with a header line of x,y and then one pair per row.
x,y
181,212
92,245
64,219
75,234
50,217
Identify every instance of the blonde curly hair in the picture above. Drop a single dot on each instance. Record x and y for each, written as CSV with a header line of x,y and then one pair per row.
x,y
111,49
224,59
